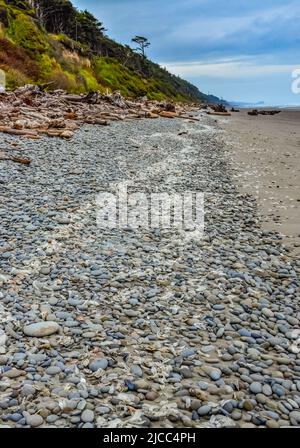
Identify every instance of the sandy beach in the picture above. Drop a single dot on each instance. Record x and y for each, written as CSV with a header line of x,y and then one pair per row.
x,y
264,153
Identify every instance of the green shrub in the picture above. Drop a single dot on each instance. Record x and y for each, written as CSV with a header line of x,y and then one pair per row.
x,y
89,80
15,78
62,80
24,32
110,73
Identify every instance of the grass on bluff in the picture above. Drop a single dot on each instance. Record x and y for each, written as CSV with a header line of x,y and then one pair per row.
x,y
25,33
111,74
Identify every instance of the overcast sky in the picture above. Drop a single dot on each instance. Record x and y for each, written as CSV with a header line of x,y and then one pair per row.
x,y
242,50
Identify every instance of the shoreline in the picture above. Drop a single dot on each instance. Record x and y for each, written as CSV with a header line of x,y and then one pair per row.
x,y
264,154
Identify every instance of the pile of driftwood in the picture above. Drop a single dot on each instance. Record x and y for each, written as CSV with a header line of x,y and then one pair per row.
x,y
218,109
29,112
256,112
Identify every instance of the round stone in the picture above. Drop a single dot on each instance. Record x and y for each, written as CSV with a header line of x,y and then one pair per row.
x,y
41,329
215,375
63,220
256,388
136,371
4,360
87,416
236,415
248,405
53,370
295,415
260,398
151,396
34,420
245,333
228,407
267,312
98,364
102,410
278,390
267,390
52,418
15,417
27,390
204,410
195,405
3,338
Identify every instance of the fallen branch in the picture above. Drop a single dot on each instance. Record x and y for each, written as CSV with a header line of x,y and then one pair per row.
x,y
188,118
44,86
151,115
20,160
31,136
13,131
73,98
166,114
15,159
95,121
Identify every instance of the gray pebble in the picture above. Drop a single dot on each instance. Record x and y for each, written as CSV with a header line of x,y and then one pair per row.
x,y
87,416
255,388
34,420
98,364
204,410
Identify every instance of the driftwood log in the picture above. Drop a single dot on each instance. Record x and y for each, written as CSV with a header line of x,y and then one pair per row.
x,y
21,160
12,131
218,107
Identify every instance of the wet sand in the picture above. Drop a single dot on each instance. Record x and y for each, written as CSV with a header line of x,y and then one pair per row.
x,y
264,152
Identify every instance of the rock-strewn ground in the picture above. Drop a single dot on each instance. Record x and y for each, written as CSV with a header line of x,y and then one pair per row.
x,y
152,328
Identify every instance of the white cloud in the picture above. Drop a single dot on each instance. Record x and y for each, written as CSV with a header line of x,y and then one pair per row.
x,y
227,68
219,28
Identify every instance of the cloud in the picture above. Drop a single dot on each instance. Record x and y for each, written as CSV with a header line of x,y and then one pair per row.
x,y
194,29
217,27
254,32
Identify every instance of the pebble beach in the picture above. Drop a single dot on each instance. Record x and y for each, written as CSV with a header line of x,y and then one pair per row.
x,y
153,328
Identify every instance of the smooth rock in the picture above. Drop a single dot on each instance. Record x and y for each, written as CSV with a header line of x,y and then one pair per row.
x,y
136,371
204,410
256,388
34,420
87,416
98,364
41,329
